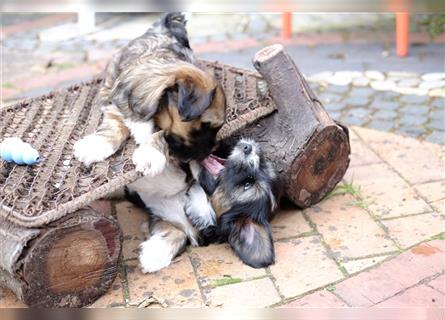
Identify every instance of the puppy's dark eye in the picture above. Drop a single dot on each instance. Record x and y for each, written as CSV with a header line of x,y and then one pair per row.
x,y
248,183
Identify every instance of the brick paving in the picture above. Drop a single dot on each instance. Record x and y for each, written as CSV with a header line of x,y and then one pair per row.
x,y
341,252
377,240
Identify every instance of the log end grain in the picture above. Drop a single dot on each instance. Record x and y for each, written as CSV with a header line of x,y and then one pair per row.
x,y
320,167
74,262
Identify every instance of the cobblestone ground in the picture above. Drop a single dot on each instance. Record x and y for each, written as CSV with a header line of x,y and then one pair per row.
x,y
413,111
377,240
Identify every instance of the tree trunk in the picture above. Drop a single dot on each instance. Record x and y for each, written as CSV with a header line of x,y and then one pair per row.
x,y
309,150
71,263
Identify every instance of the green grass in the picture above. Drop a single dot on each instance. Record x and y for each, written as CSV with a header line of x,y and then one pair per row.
x,y
63,65
353,190
331,288
440,236
225,281
8,85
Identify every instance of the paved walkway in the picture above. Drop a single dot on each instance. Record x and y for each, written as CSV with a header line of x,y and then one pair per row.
x,y
377,241
356,75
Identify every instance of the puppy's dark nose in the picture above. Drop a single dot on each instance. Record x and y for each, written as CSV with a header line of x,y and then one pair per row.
x,y
247,148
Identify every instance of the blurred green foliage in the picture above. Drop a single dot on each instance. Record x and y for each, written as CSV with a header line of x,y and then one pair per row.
x,y
435,24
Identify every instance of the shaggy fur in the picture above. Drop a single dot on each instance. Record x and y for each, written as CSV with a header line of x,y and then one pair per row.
x,y
244,198
152,84
196,207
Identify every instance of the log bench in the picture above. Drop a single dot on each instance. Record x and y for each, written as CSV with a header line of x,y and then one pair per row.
x,y
59,251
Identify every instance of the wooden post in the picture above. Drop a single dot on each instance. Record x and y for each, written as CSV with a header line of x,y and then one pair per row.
x,y
309,150
402,33
71,263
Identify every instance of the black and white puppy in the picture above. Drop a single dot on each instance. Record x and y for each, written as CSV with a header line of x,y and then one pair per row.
x,y
243,194
212,202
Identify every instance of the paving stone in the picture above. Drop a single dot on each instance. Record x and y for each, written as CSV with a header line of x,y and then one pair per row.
x,y
335,115
385,193
302,265
414,99
438,115
334,106
318,299
349,74
339,80
347,229
314,86
9,300
360,82
375,75
411,130
361,92
133,222
412,120
432,191
175,285
432,84
382,125
354,266
390,277
289,223
439,104
402,74
420,296
434,76
438,283
383,85
415,109
329,97
414,229
218,261
386,95
360,154
353,120
437,124
321,76
250,294
437,150
413,82
412,91
436,137
413,159
439,206
383,104
437,92
385,114
356,101
337,89
361,113
112,298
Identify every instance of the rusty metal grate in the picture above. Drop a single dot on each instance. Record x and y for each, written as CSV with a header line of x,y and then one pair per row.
x,y
35,195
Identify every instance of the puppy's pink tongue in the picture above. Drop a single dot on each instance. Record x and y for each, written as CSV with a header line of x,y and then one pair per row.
x,y
212,164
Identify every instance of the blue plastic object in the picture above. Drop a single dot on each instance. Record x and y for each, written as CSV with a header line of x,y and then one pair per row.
x,y
19,152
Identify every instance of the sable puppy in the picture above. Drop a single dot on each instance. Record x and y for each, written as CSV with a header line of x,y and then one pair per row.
x,y
244,197
150,85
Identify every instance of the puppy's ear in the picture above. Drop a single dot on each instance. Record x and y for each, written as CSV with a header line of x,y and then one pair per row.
x,y
252,242
192,101
135,94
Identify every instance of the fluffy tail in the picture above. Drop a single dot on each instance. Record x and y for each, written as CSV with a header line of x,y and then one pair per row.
x,y
175,23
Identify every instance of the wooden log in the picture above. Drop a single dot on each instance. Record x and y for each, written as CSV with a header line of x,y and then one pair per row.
x,y
71,263
309,150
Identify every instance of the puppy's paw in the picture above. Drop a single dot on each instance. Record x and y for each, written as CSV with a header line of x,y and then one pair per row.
x,y
149,160
92,148
155,254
